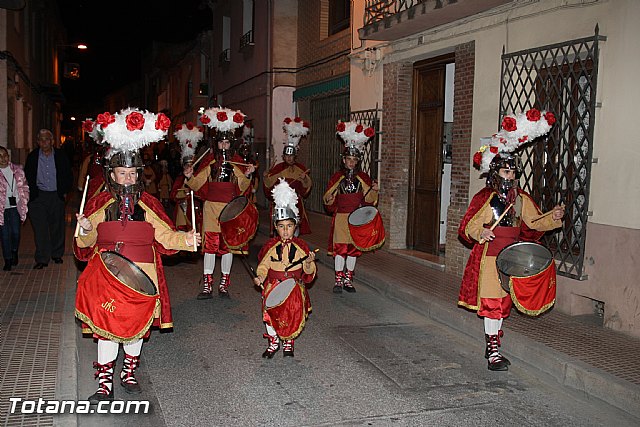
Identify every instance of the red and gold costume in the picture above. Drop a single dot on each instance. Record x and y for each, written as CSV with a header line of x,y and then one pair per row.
x,y
181,196
297,176
340,242
142,242
480,289
216,195
273,258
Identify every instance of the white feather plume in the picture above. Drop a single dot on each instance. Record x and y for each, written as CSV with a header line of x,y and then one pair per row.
x,y
223,125
188,138
122,139
285,197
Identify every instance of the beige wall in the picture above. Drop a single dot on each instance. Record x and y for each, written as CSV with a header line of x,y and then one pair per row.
x,y
612,231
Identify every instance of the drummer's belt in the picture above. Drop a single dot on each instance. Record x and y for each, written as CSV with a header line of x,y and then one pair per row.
x,y
504,236
347,203
221,192
132,239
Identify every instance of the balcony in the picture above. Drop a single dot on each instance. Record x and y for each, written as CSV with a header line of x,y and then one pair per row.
x,y
225,57
394,19
246,40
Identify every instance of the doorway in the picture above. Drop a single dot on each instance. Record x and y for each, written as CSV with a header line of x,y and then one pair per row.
x,y
432,120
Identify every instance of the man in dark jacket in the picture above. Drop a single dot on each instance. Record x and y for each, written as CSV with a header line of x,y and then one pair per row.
x,y
50,178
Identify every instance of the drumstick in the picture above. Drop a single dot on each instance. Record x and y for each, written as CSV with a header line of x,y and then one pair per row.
x,y
495,224
84,197
301,260
193,223
545,214
200,158
302,176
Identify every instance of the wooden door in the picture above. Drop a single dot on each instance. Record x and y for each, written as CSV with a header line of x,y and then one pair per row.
x,y
428,123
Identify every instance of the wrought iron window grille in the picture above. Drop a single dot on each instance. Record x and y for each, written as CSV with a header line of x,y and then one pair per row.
x,y
560,78
370,160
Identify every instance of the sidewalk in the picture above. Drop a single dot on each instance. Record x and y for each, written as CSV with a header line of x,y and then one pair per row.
x,y
599,362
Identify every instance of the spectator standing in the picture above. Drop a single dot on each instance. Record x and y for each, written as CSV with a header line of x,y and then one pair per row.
x,y
14,191
48,172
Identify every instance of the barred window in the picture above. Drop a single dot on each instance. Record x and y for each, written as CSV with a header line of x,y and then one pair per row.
x,y
560,78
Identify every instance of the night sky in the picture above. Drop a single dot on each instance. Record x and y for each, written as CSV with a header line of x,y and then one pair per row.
x,y
117,32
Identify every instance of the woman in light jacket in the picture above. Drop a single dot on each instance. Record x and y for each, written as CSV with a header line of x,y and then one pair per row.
x,y
14,195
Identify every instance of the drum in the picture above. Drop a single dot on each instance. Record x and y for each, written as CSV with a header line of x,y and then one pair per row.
x,y
366,228
238,222
527,272
288,307
115,298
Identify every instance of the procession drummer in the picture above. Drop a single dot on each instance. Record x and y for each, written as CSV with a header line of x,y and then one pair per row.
x,y
278,254
219,178
296,174
348,189
127,220
188,135
519,219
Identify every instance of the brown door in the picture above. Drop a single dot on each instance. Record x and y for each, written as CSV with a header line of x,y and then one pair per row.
x,y
428,119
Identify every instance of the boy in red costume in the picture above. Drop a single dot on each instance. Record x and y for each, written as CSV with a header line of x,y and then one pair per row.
x,y
219,179
519,218
348,189
296,174
282,258
132,223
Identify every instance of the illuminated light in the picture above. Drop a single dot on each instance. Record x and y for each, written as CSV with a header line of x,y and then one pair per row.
x,y
72,118
82,46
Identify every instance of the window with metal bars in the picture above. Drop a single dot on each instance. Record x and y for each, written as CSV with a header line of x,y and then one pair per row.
x,y
369,118
560,78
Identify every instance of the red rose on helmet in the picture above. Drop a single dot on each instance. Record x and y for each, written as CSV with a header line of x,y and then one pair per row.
x,y
189,125
477,158
550,118
494,149
287,120
87,126
509,124
238,118
105,119
341,127
135,121
189,145
297,119
369,132
179,127
306,124
523,139
204,119
221,116
162,122
200,128
533,115
359,128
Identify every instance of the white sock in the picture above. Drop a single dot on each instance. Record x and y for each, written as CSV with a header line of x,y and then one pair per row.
x,y
491,326
209,263
500,325
107,351
339,262
133,348
225,263
351,263
270,331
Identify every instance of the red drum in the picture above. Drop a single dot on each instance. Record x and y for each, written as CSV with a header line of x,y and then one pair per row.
x,y
238,222
366,228
527,272
287,306
115,298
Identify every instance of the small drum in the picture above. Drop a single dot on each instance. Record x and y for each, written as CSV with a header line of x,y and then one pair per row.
x,y
366,228
115,298
288,307
527,272
238,222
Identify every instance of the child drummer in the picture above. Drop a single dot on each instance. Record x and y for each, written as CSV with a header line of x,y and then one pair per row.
x,y
281,258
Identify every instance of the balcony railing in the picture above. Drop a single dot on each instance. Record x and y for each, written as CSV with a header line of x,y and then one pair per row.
x,y
246,40
394,19
225,57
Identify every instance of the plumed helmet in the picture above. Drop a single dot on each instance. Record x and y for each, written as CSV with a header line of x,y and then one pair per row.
x,y
285,202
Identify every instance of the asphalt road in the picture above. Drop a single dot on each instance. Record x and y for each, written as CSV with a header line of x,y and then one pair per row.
x,y
361,360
